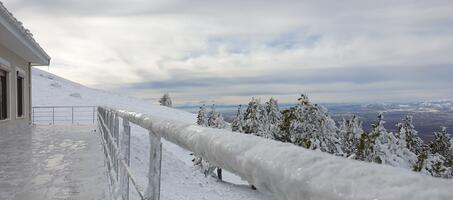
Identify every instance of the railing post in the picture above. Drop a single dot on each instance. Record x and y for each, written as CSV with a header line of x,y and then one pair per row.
x,y
72,114
94,113
53,115
125,152
155,158
33,115
116,129
110,142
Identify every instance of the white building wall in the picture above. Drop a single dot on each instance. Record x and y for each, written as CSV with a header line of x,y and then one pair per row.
x,y
12,63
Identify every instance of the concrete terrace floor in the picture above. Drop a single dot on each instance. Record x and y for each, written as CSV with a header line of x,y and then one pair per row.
x,y
52,162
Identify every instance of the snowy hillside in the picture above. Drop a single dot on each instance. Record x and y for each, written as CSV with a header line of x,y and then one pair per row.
x,y
180,180
51,90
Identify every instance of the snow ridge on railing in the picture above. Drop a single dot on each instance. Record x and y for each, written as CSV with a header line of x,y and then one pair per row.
x,y
290,172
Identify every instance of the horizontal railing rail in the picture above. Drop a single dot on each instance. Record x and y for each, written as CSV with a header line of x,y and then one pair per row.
x,y
287,171
63,114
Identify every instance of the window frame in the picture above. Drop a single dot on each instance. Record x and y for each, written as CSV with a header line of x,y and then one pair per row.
x,y
20,74
4,66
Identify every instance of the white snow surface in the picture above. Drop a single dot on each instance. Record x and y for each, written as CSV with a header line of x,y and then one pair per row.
x,y
180,180
287,171
51,90
291,172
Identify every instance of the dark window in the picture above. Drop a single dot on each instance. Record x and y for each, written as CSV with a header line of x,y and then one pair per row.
x,y
3,95
20,95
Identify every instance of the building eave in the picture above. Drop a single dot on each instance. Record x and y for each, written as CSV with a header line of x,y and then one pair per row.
x,y
19,39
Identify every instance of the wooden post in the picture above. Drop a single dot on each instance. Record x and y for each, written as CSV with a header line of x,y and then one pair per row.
x,y
125,152
219,173
155,158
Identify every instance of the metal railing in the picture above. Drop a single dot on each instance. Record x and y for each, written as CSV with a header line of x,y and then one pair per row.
x,y
64,114
287,171
116,143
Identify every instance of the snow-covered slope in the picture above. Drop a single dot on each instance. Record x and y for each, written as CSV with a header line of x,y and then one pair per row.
x,y
180,181
51,90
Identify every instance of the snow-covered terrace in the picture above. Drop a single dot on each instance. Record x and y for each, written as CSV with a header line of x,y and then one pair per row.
x,y
51,162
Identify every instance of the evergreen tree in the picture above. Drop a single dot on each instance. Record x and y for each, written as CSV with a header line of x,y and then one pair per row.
x,y
202,117
273,117
433,164
215,119
420,165
273,111
285,128
438,166
386,149
165,100
202,120
350,134
238,122
311,127
365,147
441,143
439,162
255,118
407,136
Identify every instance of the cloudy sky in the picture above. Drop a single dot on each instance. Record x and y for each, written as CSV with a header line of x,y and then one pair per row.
x,y
229,51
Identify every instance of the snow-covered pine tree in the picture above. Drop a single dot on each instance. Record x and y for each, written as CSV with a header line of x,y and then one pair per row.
x,y
202,120
273,117
365,146
438,166
376,142
408,136
313,128
386,149
439,159
202,117
433,164
442,143
254,118
215,119
350,133
238,122
165,100
286,131
273,111
420,165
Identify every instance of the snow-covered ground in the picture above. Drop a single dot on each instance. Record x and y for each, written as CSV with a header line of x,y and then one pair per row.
x,y
286,170
180,180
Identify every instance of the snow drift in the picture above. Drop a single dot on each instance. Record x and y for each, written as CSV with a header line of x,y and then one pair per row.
x,y
291,172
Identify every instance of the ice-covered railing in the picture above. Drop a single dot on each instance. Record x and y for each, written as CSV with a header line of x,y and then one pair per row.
x,y
287,171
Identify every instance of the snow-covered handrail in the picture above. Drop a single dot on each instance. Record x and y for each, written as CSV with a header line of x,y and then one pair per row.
x,y
291,172
116,146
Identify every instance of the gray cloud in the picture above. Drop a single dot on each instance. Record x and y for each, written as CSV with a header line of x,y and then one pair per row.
x,y
350,50
355,75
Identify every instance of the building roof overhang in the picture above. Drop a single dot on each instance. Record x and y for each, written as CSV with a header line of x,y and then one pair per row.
x,y
19,40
